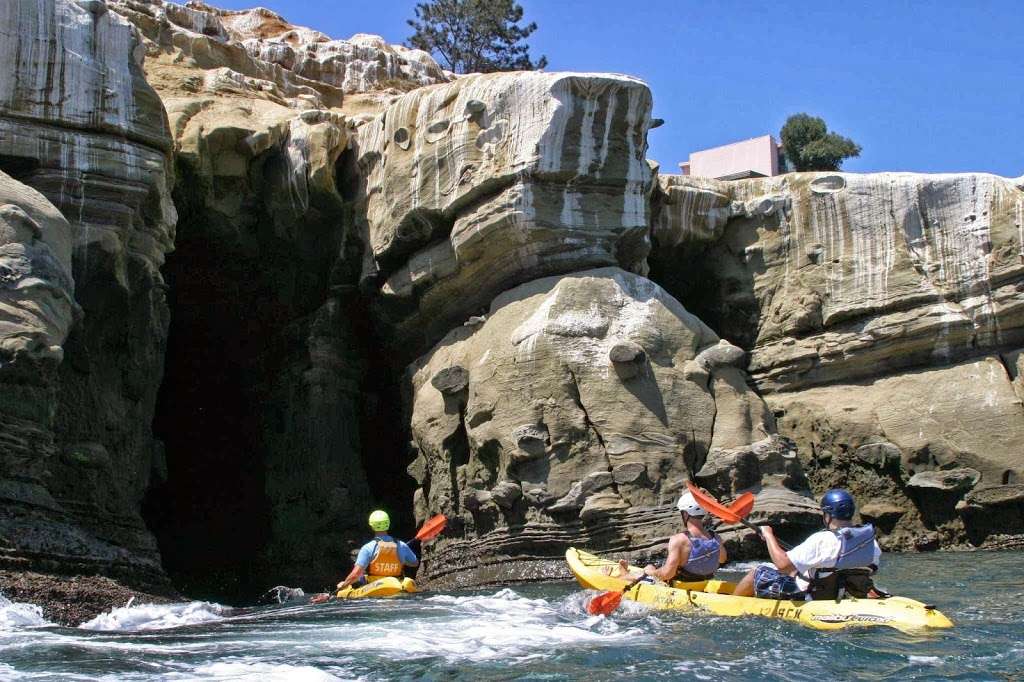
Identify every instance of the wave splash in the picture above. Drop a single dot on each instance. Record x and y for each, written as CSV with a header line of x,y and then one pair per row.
x,y
504,625
18,615
155,617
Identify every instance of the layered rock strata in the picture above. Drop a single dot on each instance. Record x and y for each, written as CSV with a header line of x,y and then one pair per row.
x,y
494,180
349,212
563,401
196,47
79,124
575,414
882,314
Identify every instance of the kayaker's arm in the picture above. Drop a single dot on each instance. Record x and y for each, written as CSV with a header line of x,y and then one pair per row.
x,y
777,554
723,556
355,574
678,547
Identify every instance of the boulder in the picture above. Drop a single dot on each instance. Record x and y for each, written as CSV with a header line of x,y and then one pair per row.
x,y
451,380
882,514
945,481
595,457
989,513
881,455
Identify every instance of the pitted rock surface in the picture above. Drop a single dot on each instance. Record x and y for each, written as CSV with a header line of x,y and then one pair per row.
x,y
596,456
494,180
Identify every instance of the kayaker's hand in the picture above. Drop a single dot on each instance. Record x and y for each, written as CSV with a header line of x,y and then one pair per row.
x,y
341,585
649,569
768,532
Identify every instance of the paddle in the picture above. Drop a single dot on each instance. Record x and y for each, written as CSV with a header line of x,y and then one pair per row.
x,y
730,514
430,529
606,602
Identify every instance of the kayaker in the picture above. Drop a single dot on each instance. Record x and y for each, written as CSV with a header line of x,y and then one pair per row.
x,y
814,568
382,556
693,555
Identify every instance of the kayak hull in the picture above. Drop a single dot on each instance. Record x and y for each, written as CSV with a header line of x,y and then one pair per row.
x,y
715,596
379,588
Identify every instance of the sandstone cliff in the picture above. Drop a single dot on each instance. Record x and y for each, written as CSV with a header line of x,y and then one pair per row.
x,y
883,314
250,274
80,125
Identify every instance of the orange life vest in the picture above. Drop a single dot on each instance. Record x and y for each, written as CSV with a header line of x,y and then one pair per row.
x,y
385,561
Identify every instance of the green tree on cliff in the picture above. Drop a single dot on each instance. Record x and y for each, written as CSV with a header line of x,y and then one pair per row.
x,y
809,146
473,36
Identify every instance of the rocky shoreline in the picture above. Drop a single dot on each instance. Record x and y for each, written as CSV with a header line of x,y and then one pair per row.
x,y
73,600
251,275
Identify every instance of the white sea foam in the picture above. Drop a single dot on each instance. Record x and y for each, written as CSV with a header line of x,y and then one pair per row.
x,y
926,660
504,625
18,615
155,616
267,672
740,566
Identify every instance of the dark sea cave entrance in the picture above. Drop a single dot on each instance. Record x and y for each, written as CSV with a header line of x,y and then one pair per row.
x,y
211,515
249,440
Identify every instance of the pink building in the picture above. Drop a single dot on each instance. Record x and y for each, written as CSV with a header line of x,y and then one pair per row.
x,y
754,158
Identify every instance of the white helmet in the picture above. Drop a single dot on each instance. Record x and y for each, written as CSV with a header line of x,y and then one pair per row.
x,y
689,505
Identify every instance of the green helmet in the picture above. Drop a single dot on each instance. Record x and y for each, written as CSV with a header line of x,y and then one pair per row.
x,y
379,520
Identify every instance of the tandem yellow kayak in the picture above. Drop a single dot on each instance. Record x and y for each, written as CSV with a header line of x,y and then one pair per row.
x,y
377,588
715,596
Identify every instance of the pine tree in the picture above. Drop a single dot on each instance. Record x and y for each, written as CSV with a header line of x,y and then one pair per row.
x,y
471,36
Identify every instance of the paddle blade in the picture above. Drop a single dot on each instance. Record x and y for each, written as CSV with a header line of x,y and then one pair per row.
x,y
432,527
713,506
604,603
742,505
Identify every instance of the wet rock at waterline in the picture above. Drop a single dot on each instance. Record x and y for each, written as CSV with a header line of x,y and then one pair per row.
x,y
549,442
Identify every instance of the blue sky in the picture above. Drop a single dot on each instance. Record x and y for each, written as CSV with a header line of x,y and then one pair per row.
x,y
922,86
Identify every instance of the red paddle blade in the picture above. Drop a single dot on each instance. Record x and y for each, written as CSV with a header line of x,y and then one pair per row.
x,y
713,506
604,603
742,505
432,527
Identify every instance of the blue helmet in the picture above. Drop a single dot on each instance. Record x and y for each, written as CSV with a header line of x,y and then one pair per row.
x,y
838,504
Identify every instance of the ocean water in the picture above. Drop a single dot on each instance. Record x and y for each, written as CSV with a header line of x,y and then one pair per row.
x,y
533,632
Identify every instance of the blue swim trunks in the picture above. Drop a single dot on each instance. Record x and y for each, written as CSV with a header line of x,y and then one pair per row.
x,y
770,584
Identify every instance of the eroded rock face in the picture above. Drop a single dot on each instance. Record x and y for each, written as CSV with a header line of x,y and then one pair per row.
x,y
495,180
550,440
842,276
37,310
79,124
264,276
197,48
37,306
900,293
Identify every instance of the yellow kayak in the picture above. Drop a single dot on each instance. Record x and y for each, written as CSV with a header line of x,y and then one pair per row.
x,y
378,588
715,596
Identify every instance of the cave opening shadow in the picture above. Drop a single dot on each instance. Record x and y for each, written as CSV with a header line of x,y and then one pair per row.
x,y
210,515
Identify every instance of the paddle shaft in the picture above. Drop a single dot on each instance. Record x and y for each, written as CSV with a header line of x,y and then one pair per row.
x,y
784,545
